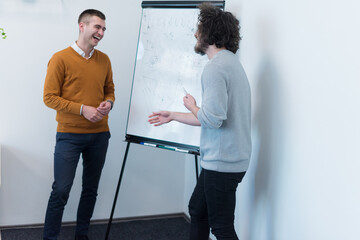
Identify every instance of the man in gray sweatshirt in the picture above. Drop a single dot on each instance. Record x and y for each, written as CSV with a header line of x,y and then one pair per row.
x,y
225,118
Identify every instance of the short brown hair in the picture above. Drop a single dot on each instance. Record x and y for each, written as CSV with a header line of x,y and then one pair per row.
x,y
218,27
90,13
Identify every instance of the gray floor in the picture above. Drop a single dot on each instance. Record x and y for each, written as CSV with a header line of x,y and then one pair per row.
x,y
173,228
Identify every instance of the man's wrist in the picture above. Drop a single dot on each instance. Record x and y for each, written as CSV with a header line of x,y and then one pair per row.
x,y
111,102
195,110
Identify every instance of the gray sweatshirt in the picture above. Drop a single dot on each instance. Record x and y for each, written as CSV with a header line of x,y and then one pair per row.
x,y
225,115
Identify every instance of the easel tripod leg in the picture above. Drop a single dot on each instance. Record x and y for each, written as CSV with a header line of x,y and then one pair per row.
x,y
117,191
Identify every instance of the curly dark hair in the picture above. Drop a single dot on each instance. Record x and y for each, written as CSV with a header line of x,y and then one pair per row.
x,y
218,27
89,13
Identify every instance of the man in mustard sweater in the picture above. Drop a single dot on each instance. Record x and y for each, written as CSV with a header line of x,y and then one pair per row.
x,y
79,86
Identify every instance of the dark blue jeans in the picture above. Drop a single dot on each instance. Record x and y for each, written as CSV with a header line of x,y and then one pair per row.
x,y
212,205
68,148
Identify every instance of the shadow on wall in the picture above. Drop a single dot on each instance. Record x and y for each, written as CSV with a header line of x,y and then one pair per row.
x,y
267,159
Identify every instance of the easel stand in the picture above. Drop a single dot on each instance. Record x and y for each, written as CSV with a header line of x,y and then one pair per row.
x,y
119,183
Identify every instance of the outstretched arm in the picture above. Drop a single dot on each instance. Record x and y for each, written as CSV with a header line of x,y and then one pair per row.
x,y
162,117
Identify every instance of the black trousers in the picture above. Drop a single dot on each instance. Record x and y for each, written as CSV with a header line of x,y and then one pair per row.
x,y
212,205
69,146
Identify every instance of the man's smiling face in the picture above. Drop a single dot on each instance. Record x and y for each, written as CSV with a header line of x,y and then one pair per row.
x,y
92,30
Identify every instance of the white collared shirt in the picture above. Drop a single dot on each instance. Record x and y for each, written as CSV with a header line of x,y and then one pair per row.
x,y
80,51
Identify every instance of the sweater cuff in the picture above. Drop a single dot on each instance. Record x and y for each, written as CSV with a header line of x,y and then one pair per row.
x,y
76,108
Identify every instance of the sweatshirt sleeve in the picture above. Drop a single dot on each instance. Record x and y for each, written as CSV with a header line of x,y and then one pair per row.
x,y
52,88
213,110
109,88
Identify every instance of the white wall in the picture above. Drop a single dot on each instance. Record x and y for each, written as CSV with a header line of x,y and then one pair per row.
x,y
300,58
153,179
301,62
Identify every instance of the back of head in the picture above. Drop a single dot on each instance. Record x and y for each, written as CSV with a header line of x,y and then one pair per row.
x,y
218,27
85,15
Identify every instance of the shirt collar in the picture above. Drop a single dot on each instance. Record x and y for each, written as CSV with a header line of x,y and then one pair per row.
x,y
80,51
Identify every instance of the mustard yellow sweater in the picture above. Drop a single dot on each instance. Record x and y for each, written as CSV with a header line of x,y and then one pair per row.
x,y
71,81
